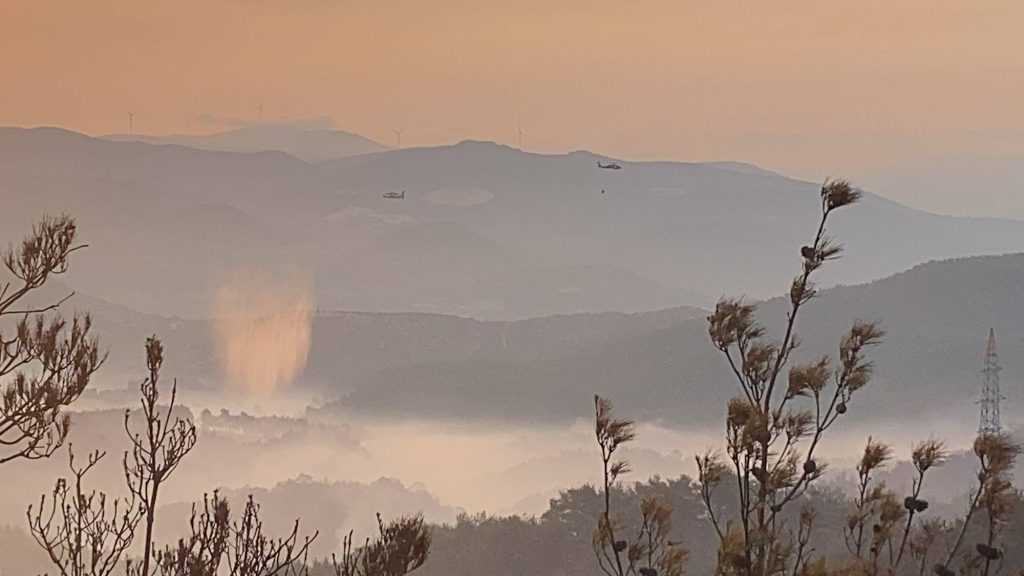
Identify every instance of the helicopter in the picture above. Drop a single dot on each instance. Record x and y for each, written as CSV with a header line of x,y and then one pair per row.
x,y
611,166
395,195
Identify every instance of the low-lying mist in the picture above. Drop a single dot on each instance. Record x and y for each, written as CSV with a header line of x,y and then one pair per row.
x,y
498,467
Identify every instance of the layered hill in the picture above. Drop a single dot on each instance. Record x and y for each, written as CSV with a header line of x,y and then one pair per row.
x,y
309,144
484,231
659,366
937,318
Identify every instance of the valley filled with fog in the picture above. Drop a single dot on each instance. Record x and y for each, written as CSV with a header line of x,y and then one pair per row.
x,y
528,288
440,353
344,354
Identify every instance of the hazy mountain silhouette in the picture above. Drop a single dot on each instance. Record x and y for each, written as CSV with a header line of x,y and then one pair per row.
x,y
950,184
705,226
937,316
309,144
657,365
485,230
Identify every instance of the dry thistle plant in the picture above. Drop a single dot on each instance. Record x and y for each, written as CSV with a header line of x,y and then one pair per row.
x,y
772,432
775,426
649,552
881,531
881,528
997,454
924,456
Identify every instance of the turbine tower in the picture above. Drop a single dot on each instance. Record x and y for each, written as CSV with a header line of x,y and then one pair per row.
x,y
131,120
990,394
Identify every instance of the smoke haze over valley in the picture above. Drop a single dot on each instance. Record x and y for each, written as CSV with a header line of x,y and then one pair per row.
x,y
498,294
351,263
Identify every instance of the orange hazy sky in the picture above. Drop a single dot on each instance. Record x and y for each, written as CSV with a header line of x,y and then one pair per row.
x,y
810,87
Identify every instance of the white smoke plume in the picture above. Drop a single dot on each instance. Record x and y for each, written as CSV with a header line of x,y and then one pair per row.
x,y
263,329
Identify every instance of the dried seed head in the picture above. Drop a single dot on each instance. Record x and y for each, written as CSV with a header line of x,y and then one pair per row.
x,y
808,379
875,455
839,193
154,353
740,412
928,454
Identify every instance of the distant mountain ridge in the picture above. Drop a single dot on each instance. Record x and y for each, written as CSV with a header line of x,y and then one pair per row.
x,y
946,184
308,144
937,317
659,366
484,231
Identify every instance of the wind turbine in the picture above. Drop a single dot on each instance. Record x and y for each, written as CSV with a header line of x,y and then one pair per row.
x,y
520,130
398,137
259,109
131,120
